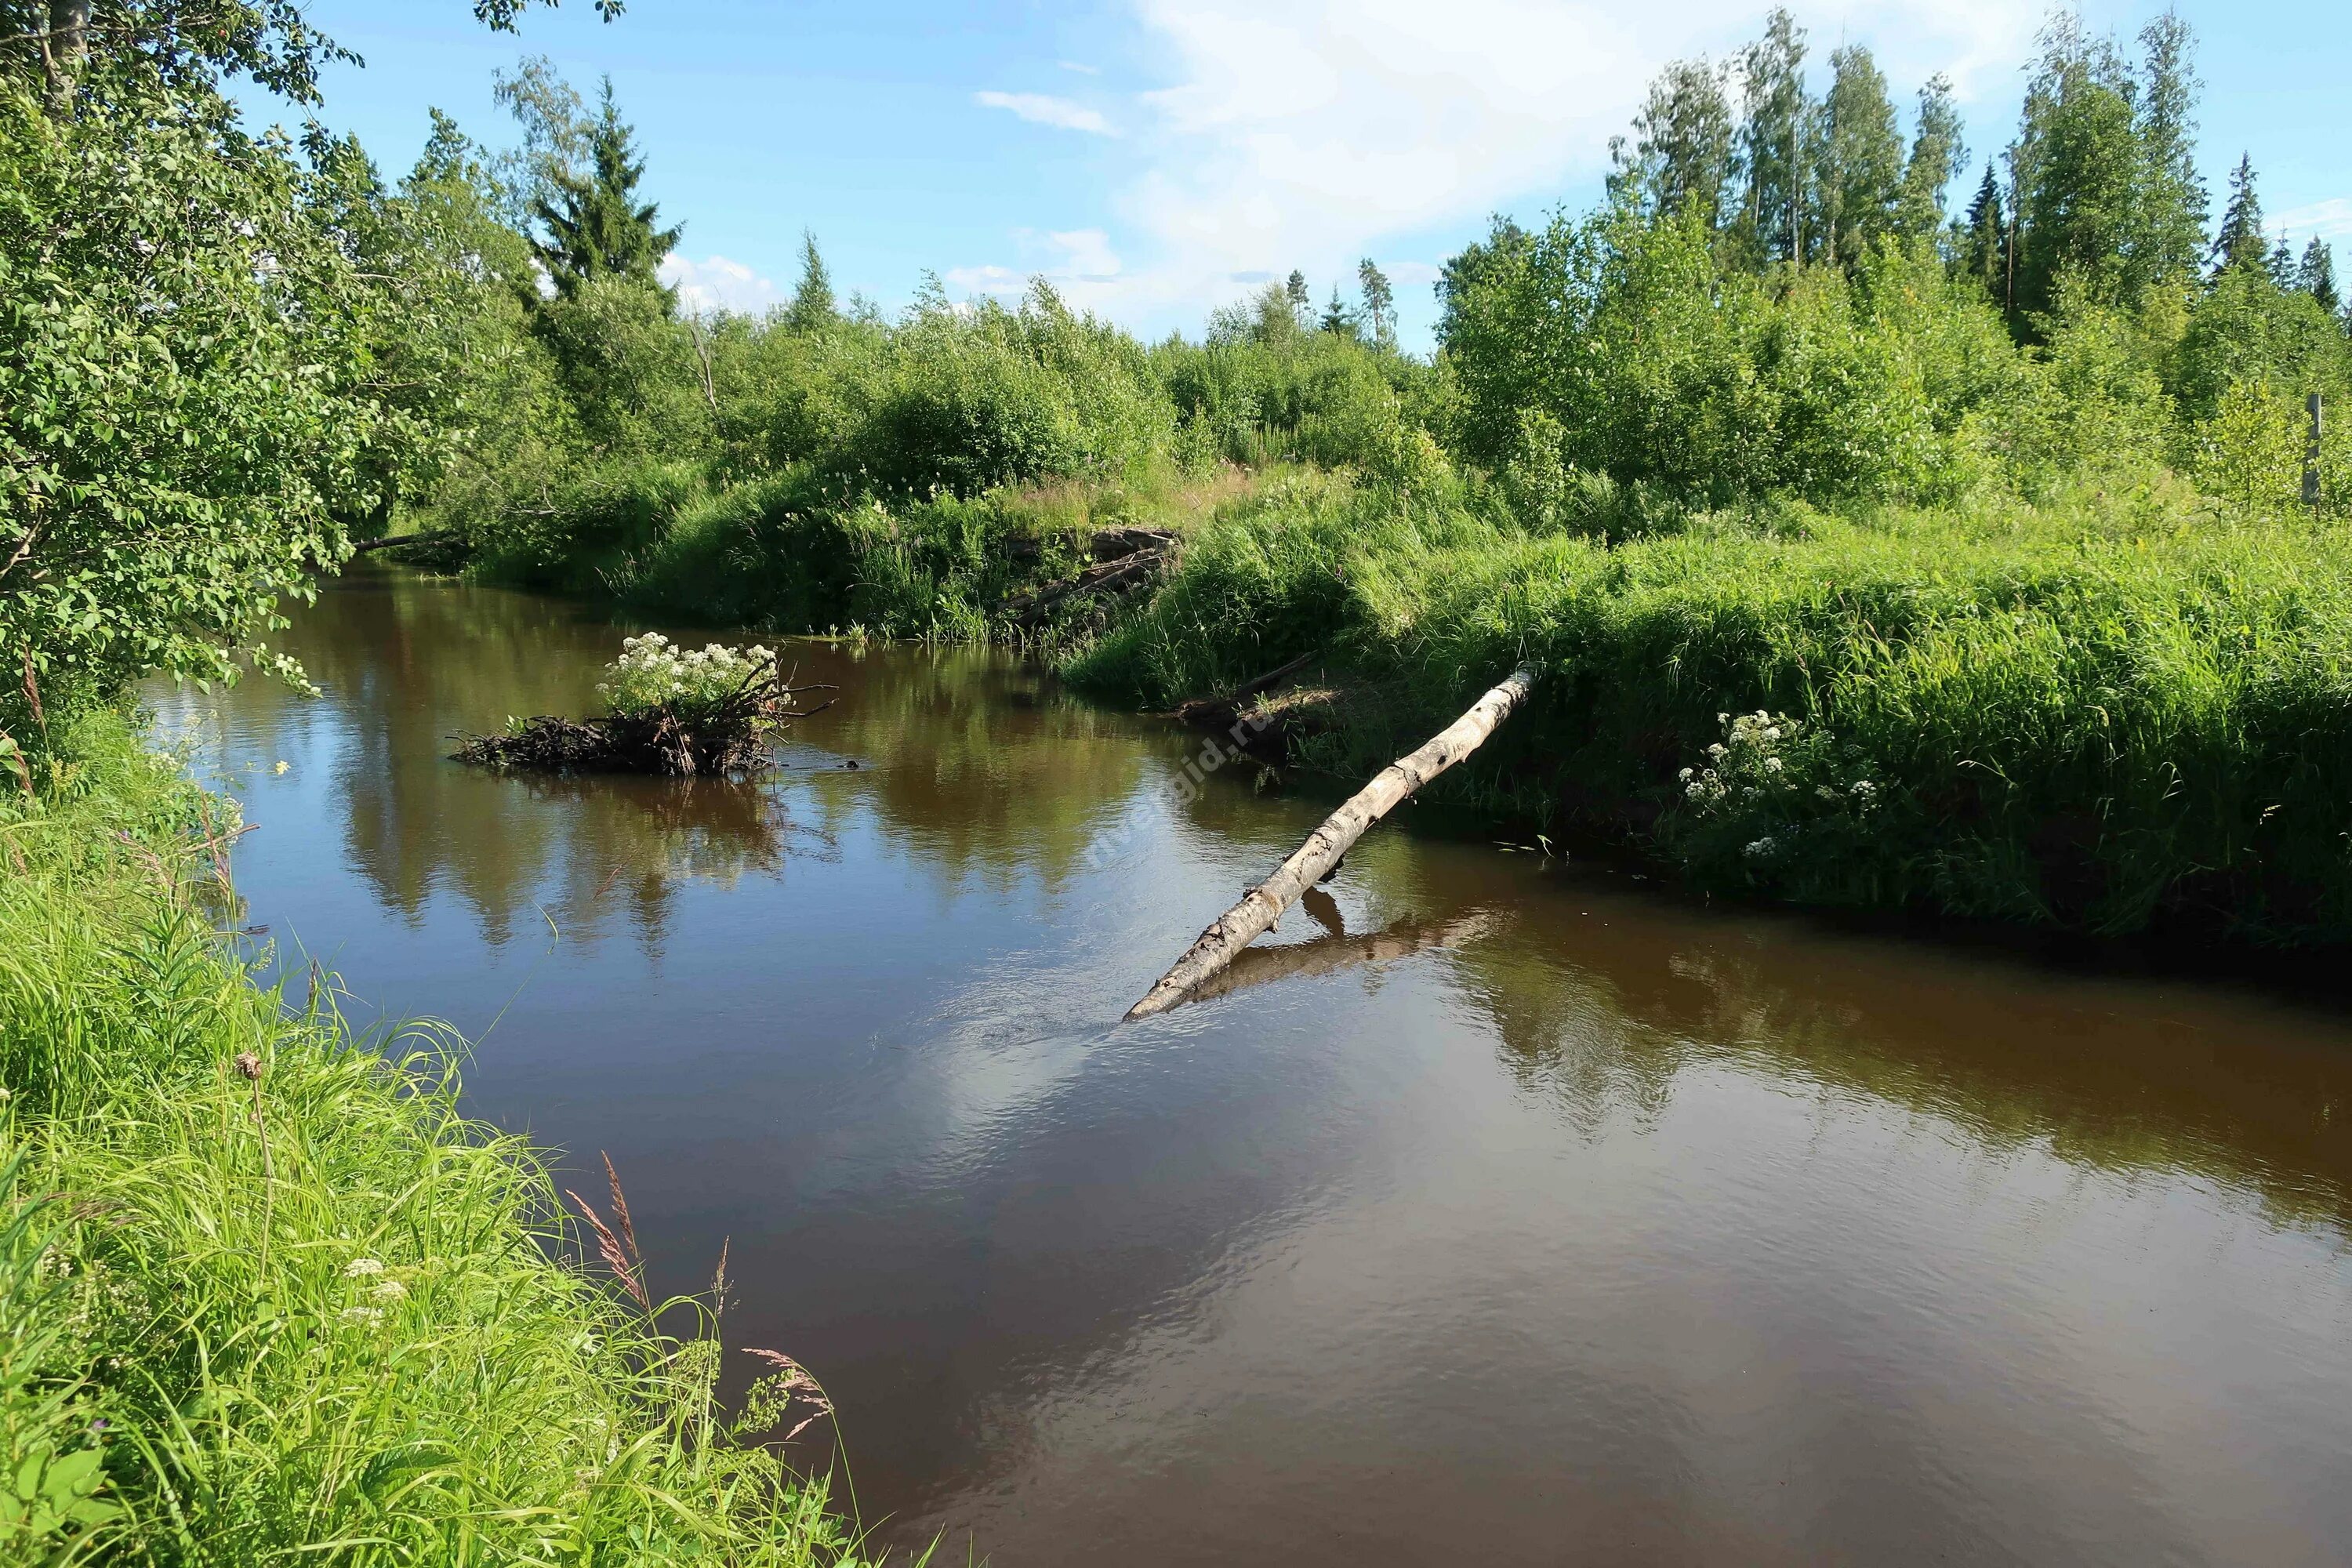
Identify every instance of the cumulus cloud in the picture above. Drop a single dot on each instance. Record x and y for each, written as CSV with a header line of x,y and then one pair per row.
x,y
717,283
1302,131
1041,109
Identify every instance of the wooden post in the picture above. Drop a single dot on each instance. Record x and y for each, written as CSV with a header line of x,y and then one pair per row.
x,y
1264,904
2311,456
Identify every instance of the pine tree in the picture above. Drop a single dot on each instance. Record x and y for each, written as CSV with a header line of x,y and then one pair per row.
x,y
1380,303
2316,275
1775,119
1302,304
2171,207
2239,241
1938,156
594,225
812,306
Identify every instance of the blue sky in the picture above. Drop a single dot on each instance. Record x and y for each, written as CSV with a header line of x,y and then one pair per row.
x,y
1155,157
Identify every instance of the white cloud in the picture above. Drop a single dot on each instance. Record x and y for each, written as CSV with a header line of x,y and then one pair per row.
x,y
1080,67
1078,262
1041,109
2330,219
716,283
1299,133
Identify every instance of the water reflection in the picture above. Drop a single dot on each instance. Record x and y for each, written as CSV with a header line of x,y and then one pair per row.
x,y
1492,1208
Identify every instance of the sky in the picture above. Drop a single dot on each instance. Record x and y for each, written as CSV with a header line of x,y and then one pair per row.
x,y
1159,158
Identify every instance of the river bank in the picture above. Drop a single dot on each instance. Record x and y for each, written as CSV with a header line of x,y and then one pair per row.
x,y
2115,713
266,1290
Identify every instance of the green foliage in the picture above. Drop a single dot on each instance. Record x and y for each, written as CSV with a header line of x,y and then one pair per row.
x,y
289,1303
2104,713
185,407
595,226
1656,365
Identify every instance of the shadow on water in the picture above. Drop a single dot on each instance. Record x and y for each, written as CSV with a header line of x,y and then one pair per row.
x,y
1492,1207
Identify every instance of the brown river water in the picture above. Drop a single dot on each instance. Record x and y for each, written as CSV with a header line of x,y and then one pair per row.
x,y
1499,1210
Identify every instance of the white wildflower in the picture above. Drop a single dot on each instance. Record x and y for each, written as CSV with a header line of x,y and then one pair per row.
x,y
390,1291
1759,848
362,1269
366,1315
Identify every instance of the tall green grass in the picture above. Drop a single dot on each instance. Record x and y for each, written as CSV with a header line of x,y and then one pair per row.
x,y
2118,710
266,1295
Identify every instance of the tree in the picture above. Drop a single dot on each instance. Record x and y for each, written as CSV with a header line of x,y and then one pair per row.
x,y
1378,303
1984,239
2076,165
1937,155
2238,242
1337,320
594,225
2169,231
1858,158
2316,275
1681,157
1772,142
1302,304
181,414
2282,264
191,43
813,305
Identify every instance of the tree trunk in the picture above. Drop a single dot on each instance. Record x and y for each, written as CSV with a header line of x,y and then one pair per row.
x,y
1255,914
63,49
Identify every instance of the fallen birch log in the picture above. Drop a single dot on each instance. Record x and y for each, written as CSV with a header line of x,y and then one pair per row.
x,y
1264,904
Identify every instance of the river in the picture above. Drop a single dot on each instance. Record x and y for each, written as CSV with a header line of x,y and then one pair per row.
x,y
1500,1209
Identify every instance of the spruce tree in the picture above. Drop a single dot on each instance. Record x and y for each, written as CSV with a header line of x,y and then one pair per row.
x,y
2316,275
1984,239
812,306
2282,264
1337,320
594,225
2239,241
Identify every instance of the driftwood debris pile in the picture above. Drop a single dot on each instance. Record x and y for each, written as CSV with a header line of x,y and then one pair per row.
x,y
1126,559
731,735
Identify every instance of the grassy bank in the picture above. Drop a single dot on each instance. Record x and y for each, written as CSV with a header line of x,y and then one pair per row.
x,y
2117,709
2113,711
266,1294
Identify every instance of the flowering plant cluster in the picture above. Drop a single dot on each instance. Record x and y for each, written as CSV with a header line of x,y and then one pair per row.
x,y
1772,785
651,677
